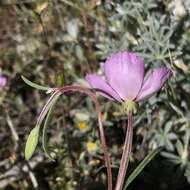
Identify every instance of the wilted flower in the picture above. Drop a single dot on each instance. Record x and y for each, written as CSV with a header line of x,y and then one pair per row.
x,y
124,79
3,81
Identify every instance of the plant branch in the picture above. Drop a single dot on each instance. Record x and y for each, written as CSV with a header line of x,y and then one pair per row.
x,y
56,92
101,129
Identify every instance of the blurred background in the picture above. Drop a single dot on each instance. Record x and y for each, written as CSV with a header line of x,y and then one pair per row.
x,y
56,42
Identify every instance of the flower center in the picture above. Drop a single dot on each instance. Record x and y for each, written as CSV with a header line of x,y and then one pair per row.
x,y
129,106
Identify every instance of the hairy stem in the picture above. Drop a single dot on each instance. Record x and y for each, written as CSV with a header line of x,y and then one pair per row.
x,y
125,156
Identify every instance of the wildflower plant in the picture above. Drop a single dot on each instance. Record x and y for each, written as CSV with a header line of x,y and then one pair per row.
x,y
73,36
33,138
124,83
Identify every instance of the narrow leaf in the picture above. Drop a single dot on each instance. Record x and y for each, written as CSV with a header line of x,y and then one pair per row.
x,y
31,143
44,133
47,120
141,166
34,85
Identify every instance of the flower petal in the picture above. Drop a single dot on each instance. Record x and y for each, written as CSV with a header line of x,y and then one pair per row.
x,y
99,84
124,72
154,82
3,81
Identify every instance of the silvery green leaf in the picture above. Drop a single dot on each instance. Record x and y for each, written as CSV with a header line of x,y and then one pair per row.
x,y
82,116
168,127
79,53
187,174
179,147
172,136
73,28
169,145
169,155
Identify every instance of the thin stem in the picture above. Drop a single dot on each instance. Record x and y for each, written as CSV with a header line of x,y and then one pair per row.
x,y
105,150
125,156
46,107
56,93
101,129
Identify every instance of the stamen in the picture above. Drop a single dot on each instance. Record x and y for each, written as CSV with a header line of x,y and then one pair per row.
x,y
129,106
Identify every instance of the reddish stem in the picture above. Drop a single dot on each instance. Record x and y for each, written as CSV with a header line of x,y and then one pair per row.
x,y
59,91
46,107
126,154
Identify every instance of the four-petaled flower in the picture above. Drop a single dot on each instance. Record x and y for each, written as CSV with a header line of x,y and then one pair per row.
x,y
124,78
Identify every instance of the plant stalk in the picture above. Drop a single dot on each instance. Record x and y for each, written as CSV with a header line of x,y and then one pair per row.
x,y
101,129
56,92
125,155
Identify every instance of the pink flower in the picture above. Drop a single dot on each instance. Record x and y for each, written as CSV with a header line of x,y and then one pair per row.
x,y
124,78
3,81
